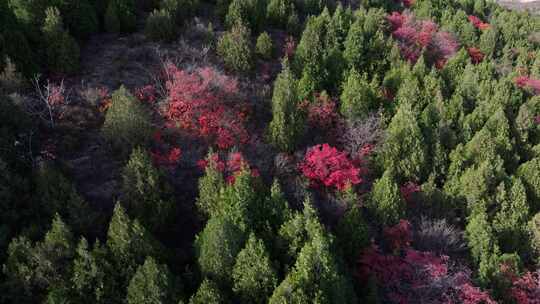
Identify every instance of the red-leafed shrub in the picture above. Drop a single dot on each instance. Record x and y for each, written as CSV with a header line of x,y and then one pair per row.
x,y
419,277
408,190
476,55
526,289
146,94
398,236
414,36
478,23
321,112
205,102
528,83
326,165
169,159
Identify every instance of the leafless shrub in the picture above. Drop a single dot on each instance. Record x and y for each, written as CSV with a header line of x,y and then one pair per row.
x,y
438,236
284,164
357,134
48,101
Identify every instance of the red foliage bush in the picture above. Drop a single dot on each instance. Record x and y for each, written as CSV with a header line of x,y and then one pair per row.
x,y
169,159
478,23
204,102
419,277
326,165
476,55
146,94
415,36
528,83
526,289
398,236
408,189
321,112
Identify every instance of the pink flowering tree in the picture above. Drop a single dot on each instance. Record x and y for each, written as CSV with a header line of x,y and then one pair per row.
x,y
205,102
327,166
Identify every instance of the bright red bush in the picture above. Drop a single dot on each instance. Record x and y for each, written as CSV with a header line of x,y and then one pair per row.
x,y
478,23
476,55
414,36
526,289
326,165
205,103
528,83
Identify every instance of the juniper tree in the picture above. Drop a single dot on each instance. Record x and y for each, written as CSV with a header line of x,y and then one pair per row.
x,y
208,293
386,201
151,284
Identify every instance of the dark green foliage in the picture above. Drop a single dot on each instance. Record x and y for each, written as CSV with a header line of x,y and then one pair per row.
x,y
208,293
127,123
366,48
528,172
404,147
151,284
286,127
160,26
352,234
235,48
62,50
278,12
359,97
248,12
180,10
386,201
534,232
216,248
80,18
147,196
210,185
91,280
264,46
253,275
120,16
129,244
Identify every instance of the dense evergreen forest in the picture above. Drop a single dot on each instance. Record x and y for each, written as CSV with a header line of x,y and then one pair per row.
x,y
269,151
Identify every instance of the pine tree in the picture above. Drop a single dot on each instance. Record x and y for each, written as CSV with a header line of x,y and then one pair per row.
x,y
253,275
509,223
129,244
404,148
359,97
287,124
278,11
235,48
352,234
386,201
147,195
210,185
91,281
61,49
208,293
127,123
216,249
151,284
528,172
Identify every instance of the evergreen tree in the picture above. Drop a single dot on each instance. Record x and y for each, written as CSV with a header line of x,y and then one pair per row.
x,y
208,293
210,185
404,148
147,196
81,18
352,234
235,48
253,275
528,172
278,11
91,281
216,248
359,97
386,201
127,123
509,223
151,284
61,49
129,244
286,126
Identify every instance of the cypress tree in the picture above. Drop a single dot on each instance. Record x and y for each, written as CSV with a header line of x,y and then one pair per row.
x,y
151,284
386,201
208,293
